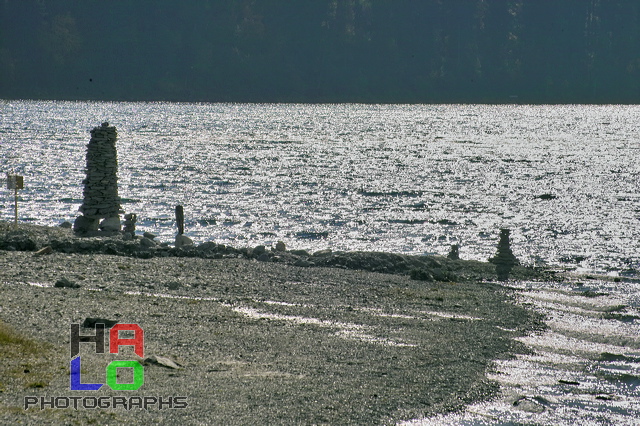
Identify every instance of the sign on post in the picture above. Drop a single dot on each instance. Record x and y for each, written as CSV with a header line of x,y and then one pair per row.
x,y
15,182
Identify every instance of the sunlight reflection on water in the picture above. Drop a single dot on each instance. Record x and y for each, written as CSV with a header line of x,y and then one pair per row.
x,y
396,178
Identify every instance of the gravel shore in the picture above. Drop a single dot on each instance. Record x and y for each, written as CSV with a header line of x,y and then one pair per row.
x,y
258,342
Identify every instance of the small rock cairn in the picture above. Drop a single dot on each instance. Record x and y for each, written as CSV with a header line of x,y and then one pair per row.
x,y
454,253
101,200
130,220
504,259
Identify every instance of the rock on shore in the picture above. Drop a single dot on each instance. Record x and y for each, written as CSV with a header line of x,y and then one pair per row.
x,y
424,268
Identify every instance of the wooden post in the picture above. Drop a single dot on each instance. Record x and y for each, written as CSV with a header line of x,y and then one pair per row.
x,y
15,182
180,219
15,222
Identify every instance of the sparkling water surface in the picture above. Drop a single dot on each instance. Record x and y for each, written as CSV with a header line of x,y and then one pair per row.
x,y
396,178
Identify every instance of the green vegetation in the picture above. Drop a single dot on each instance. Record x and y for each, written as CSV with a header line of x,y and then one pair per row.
x,y
13,343
23,362
565,51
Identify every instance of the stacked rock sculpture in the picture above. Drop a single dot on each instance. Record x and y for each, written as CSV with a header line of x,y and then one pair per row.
x,y
454,253
130,224
101,200
504,259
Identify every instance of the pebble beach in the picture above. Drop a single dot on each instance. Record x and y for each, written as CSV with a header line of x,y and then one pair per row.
x,y
253,341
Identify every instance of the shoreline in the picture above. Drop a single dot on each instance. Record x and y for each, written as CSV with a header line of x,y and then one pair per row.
x,y
32,238
263,341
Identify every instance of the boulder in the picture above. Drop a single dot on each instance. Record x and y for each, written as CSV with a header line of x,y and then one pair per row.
x,y
183,240
258,250
85,224
110,224
146,242
264,257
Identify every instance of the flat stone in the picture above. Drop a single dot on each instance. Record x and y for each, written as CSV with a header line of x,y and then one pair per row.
x,y
162,362
66,283
43,251
91,322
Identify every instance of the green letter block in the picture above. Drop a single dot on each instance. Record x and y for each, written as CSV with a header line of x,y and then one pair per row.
x,y
112,372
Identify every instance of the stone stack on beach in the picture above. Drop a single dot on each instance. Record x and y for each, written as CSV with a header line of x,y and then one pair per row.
x,y
101,200
504,259
130,224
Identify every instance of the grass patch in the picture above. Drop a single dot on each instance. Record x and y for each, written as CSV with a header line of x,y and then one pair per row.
x,y
24,363
13,343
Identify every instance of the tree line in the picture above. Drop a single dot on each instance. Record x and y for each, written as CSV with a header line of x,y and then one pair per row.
x,y
391,51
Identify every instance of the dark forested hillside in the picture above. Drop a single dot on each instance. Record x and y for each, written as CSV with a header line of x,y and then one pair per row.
x,y
555,51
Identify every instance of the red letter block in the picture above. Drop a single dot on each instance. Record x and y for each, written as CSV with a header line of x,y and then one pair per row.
x,y
137,342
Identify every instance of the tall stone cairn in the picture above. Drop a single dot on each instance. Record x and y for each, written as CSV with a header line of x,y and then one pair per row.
x,y
101,200
504,259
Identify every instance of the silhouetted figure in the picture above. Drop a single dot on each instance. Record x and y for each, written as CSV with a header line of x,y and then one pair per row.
x,y
180,219
504,259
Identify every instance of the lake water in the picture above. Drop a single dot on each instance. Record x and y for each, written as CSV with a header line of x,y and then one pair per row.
x,y
397,178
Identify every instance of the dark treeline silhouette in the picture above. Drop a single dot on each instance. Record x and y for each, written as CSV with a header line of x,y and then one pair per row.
x,y
538,51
